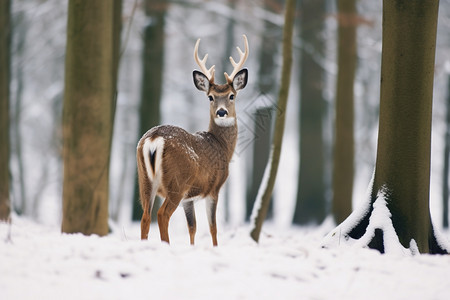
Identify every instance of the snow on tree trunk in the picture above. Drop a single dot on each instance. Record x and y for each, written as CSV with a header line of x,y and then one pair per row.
x,y
396,215
262,202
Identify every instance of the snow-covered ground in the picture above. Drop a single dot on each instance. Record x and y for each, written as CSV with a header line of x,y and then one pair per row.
x,y
38,262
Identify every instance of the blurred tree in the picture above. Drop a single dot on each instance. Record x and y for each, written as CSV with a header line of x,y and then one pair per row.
x,y
445,188
20,26
262,202
5,59
91,71
310,206
152,79
263,115
229,43
400,191
343,162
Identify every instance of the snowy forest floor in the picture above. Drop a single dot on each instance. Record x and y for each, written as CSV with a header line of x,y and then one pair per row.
x,y
38,262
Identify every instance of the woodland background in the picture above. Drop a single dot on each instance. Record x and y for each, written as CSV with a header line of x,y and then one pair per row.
x,y
155,87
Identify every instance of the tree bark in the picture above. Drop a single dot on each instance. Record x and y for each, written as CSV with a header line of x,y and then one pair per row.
x,y
5,44
401,181
88,116
152,77
310,206
343,167
265,193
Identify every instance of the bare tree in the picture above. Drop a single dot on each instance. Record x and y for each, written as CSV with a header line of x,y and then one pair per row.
x,y
310,206
263,115
445,187
397,214
88,111
5,44
265,191
343,162
152,77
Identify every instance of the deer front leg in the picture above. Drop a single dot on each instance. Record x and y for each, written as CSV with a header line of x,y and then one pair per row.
x,y
164,213
211,206
189,211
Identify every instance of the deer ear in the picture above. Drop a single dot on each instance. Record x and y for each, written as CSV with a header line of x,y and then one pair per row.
x,y
201,81
240,80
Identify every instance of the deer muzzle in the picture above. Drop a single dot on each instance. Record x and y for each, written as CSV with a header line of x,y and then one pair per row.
x,y
222,113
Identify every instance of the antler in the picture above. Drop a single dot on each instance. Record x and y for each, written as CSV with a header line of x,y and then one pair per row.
x,y
202,63
242,58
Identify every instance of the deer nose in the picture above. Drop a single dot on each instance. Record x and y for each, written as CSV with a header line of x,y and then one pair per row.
x,y
221,112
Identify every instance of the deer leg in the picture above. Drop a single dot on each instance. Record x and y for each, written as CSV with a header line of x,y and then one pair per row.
x,y
189,211
164,213
147,194
211,207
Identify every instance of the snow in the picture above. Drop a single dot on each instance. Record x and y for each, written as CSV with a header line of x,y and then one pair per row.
x,y
262,189
38,262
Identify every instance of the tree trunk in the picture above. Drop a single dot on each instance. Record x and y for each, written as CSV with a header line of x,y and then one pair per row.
x,y
398,208
229,44
18,179
152,77
445,187
261,152
267,85
265,192
310,206
344,143
5,44
117,31
88,116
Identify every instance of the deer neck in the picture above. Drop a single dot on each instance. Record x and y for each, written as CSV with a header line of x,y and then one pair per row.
x,y
225,135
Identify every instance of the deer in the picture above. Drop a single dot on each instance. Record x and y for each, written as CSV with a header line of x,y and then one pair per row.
x,y
181,167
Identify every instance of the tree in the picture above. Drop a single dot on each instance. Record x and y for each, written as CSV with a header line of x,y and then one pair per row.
x,y
265,191
344,142
5,44
89,98
396,215
152,78
263,115
310,206
445,187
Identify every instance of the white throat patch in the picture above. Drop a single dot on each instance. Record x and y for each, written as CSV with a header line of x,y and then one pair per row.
x,y
225,121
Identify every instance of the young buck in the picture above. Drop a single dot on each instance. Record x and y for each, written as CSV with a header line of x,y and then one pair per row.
x,y
182,167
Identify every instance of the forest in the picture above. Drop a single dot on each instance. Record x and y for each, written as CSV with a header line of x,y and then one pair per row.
x,y
340,89
342,115
343,129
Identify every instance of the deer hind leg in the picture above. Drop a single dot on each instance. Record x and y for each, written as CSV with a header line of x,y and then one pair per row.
x,y
164,213
147,193
189,211
148,157
211,207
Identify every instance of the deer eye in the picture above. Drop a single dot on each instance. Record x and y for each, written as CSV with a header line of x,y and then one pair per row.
x,y
231,97
210,98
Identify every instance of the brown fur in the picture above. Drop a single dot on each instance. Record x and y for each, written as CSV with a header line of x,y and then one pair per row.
x,y
193,165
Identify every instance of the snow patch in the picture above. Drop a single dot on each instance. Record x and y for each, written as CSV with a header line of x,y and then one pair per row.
x,y
287,264
381,219
335,237
441,240
261,190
